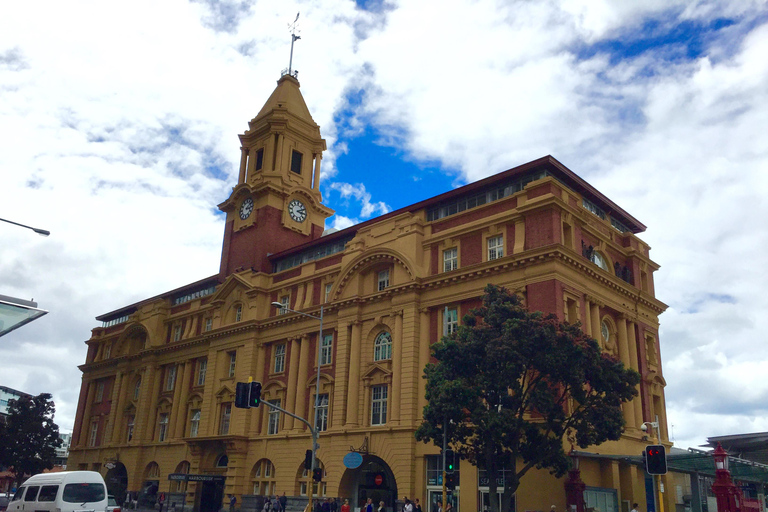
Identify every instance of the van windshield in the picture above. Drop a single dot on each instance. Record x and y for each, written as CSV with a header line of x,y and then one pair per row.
x,y
84,493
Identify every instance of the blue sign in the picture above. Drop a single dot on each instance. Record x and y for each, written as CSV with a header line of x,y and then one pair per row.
x,y
353,460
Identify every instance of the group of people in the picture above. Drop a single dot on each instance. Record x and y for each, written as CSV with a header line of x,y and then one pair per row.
x,y
276,504
408,506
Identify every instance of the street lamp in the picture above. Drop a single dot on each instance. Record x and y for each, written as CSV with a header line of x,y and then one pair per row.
x,y
43,232
283,308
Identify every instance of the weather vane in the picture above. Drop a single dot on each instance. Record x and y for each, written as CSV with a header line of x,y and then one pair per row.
x,y
294,29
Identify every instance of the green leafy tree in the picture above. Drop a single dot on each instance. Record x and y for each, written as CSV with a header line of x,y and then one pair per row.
x,y
29,438
512,386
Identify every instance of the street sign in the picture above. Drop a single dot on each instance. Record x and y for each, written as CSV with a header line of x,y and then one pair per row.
x,y
353,460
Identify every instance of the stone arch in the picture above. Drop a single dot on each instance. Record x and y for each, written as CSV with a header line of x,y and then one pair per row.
x,y
134,339
263,477
117,481
180,485
366,261
303,474
356,483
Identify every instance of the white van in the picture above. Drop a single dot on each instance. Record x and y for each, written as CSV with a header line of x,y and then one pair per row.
x,y
66,491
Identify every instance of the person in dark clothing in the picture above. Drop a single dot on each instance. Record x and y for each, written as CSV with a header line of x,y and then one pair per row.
x,y
283,502
334,505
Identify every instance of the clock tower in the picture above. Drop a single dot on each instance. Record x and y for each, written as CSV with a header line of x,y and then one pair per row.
x,y
277,202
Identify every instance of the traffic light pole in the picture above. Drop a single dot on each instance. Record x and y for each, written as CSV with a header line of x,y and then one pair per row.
x,y
657,478
445,447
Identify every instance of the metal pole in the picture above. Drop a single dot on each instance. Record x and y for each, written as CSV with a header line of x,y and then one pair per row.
x,y
317,399
39,231
655,425
445,446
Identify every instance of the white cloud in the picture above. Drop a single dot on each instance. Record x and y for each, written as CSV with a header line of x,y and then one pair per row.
x,y
358,192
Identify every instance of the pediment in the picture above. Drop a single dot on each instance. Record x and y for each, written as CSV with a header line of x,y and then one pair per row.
x,y
376,369
233,285
225,391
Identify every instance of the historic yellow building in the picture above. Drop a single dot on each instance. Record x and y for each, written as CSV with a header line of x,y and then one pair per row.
x,y
160,375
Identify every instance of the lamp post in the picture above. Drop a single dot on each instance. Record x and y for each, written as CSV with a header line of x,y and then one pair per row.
x,y
42,232
575,486
724,489
314,430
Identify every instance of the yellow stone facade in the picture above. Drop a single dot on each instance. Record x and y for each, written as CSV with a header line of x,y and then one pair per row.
x,y
159,381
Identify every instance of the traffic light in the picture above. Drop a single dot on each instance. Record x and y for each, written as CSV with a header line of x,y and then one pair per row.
x,y
254,397
308,460
242,389
656,459
317,474
450,481
449,461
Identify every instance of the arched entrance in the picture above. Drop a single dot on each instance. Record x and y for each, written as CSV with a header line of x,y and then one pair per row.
x,y
117,481
373,479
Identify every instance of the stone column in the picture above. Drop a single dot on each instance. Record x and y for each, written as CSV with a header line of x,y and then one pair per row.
x,y
397,365
316,183
519,236
255,427
596,323
301,382
588,318
293,374
243,161
634,363
628,408
118,390
353,393
424,352
339,406
186,384
150,415
175,407
86,426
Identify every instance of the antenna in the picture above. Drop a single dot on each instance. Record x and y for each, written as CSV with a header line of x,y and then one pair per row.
x,y
294,29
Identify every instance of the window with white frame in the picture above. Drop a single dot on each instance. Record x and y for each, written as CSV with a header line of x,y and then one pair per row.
x,y
382,347
273,421
451,320
202,369
280,358
177,332
162,424
450,259
131,423
285,300
326,349
94,433
232,363
328,288
379,405
137,389
170,378
238,313
495,247
226,415
208,324
383,279
317,490
194,423
99,391
322,413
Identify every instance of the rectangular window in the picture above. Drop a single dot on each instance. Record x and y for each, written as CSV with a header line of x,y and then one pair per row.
x,y
322,413
202,368
194,423
280,358
495,247
107,350
162,427
450,259
48,493
451,320
286,302
328,288
131,421
32,493
94,433
259,159
238,313
296,158
379,405
177,332
137,389
99,391
273,425
268,464
208,324
232,363
326,349
226,414
170,378
383,280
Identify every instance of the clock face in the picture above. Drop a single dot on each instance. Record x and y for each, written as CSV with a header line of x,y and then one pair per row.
x,y
246,207
297,210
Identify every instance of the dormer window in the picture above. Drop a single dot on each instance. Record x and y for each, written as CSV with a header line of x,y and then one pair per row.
x,y
296,159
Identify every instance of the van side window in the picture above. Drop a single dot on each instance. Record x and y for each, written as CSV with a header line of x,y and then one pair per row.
x,y
19,494
48,493
31,493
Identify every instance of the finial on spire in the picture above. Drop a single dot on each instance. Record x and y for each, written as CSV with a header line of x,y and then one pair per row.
x,y
294,29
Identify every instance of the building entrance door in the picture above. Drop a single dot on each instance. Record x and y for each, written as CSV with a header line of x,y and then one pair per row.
x,y
211,496
485,501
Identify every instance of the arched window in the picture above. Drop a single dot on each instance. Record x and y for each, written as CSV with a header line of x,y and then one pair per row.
x,y
137,389
317,489
222,461
180,485
382,347
600,260
263,477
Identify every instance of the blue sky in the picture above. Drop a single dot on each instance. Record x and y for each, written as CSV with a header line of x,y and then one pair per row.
x,y
121,139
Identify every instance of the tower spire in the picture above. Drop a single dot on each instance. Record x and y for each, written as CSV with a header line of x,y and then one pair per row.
x,y
294,38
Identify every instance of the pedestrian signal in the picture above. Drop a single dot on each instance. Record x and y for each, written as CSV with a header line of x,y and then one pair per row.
x,y
656,459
